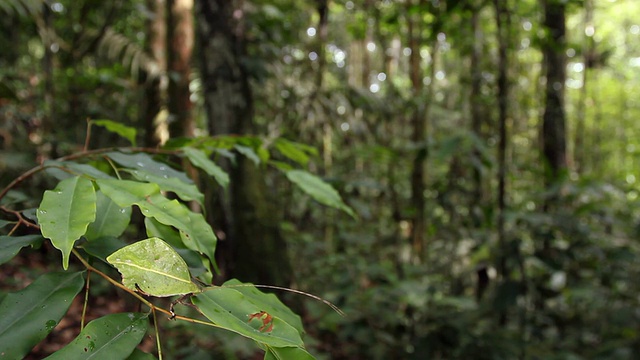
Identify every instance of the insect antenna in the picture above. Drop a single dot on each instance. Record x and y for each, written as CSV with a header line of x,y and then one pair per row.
x,y
299,292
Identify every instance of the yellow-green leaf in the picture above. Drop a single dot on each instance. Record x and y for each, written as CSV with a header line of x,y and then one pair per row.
x,y
153,266
126,132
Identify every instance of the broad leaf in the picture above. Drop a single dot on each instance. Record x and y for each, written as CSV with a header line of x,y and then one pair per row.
x,y
153,266
292,151
31,313
4,223
126,192
318,190
11,245
184,190
113,336
65,213
148,198
74,168
269,302
230,309
138,354
103,247
249,153
144,162
197,233
280,165
126,132
199,159
200,237
111,219
287,353
165,232
197,264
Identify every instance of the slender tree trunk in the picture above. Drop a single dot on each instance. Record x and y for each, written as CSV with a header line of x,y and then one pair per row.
x,y
47,69
554,146
253,248
156,46
181,39
587,50
503,23
418,126
475,101
322,8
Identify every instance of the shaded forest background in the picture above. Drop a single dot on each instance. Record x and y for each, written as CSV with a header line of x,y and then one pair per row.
x,y
488,148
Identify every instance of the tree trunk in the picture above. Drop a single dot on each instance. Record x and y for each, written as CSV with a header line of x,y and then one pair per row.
x,y
156,46
587,51
554,146
253,248
417,124
502,22
47,69
181,39
477,118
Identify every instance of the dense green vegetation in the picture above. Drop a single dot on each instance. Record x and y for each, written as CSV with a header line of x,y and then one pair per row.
x,y
458,177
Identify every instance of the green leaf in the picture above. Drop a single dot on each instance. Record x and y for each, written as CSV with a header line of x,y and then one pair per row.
x,y
197,264
165,232
269,303
287,353
195,231
11,245
200,236
199,159
318,189
111,219
138,354
292,151
65,213
184,190
280,165
27,316
127,192
232,310
249,153
126,132
4,223
103,247
113,336
154,267
74,168
144,162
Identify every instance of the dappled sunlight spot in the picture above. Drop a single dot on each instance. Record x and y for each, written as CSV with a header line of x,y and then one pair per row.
x,y
311,32
631,179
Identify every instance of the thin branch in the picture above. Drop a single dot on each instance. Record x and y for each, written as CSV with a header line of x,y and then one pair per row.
x,y
138,296
86,300
87,136
21,219
80,155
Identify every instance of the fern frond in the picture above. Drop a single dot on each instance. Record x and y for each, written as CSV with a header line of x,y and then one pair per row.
x,y
116,47
22,8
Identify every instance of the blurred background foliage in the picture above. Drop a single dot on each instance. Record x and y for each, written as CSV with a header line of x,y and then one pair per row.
x,y
435,119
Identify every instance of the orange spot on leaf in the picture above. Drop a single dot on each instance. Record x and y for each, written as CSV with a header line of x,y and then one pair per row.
x,y
266,318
